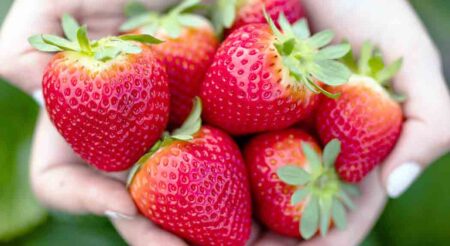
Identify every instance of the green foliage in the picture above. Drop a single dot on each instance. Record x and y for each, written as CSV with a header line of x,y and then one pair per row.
x,y
19,211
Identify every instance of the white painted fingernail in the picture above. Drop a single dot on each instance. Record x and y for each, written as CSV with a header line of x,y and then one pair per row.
x,y
401,178
116,215
38,97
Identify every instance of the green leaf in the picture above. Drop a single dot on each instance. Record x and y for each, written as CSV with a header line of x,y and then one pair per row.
x,y
128,47
142,38
299,195
272,25
223,14
366,54
376,64
301,29
352,190
333,52
309,222
388,72
286,48
182,137
346,199
312,156
107,53
70,27
194,122
319,89
322,38
293,175
338,214
331,152
172,27
285,25
38,43
349,60
59,42
134,8
191,20
184,5
325,204
83,40
137,22
331,72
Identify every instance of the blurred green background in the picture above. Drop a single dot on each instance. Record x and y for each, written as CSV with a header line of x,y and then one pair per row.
x,y
419,217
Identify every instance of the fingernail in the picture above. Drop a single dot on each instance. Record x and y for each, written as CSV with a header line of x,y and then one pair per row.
x,y
116,215
38,97
401,178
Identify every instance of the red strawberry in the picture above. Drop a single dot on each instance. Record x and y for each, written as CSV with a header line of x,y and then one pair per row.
x,y
262,79
188,49
233,14
194,184
108,98
295,191
365,118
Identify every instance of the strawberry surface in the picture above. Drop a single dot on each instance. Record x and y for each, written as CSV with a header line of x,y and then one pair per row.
x,y
297,191
248,90
367,122
264,155
110,113
187,51
251,11
187,59
197,189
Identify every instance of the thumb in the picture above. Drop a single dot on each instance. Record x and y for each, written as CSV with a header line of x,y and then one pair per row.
x,y
416,149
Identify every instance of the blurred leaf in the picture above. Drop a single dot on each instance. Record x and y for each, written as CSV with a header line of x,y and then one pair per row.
x,y
68,230
19,211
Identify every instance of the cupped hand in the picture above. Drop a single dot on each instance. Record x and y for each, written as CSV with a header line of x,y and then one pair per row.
x,y
59,178
394,27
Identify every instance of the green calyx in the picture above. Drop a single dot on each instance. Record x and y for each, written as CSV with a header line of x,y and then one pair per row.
x,y
77,41
223,14
324,195
172,22
371,64
307,57
191,126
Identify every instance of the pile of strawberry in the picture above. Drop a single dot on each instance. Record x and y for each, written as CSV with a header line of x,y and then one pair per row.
x,y
112,100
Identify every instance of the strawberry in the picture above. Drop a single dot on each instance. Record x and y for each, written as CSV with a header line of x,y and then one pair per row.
x,y
295,190
366,118
108,98
194,184
187,52
265,79
233,14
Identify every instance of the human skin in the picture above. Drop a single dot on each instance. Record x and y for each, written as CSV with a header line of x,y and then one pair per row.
x,y
62,181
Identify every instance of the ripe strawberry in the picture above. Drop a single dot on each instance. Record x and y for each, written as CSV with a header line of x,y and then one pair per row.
x,y
365,118
188,50
108,98
194,184
263,79
233,14
296,191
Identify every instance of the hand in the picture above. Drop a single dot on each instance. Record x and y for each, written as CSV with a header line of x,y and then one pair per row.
x,y
395,28
60,179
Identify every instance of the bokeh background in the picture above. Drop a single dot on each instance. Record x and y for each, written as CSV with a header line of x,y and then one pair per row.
x,y
420,217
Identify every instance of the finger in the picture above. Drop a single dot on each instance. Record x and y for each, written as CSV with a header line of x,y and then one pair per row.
x,y
415,150
274,239
61,181
254,235
139,231
369,205
25,18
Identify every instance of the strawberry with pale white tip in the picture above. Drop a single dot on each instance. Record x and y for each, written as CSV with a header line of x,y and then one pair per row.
x,y
367,117
264,78
297,191
108,98
187,52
